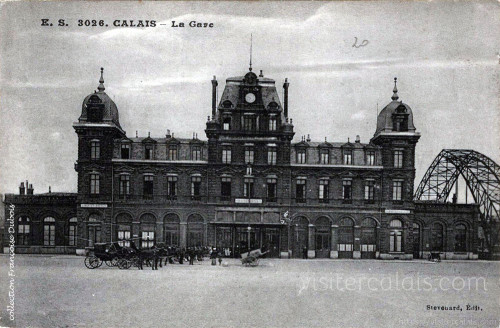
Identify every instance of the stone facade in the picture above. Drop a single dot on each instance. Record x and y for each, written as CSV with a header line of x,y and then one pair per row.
x,y
249,186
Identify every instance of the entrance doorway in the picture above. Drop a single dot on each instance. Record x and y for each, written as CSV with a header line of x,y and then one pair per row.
x,y
346,238
416,240
368,238
271,241
323,237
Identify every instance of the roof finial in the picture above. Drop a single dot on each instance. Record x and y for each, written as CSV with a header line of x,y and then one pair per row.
x,y
395,90
101,81
251,42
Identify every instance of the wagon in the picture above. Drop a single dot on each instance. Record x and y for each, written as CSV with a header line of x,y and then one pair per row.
x,y
252,258
110,253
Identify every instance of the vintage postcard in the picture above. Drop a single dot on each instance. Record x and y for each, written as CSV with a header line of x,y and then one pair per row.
x,y
249,164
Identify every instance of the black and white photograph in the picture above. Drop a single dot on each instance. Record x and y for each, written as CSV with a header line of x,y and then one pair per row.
x,y
250,164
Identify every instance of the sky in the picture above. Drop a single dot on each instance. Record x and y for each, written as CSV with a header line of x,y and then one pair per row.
x,y
445,55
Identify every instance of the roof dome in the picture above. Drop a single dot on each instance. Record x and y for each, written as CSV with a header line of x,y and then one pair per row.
x,y
395,110
99,97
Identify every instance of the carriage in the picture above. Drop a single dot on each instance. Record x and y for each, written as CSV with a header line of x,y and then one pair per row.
x,y
252,258
112,254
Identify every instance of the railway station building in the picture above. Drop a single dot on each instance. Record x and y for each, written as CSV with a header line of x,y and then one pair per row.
x,y
248,183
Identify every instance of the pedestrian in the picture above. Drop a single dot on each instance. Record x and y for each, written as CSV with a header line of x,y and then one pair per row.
x,y
191,255
213,256
219,256
304,253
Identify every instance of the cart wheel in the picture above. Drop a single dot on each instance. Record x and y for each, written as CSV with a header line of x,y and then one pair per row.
x,y
123,264
92,262
114,261
109,263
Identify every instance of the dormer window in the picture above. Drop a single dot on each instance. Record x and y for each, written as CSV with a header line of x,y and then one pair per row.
x,y
227,104
324,156
226,124
347,156
125,151
148,152
370,157
196,153
400,119
301,156
172,152
272,123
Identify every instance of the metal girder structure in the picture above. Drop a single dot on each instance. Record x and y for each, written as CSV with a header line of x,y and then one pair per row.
x,y
480,173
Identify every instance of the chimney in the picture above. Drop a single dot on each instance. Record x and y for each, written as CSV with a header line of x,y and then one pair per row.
x,y
214,96
30,189
358,140
261,75
308,138
50,191
285,97
168,135
21,189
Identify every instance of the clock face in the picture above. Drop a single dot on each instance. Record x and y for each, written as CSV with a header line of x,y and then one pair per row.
x,y
250,98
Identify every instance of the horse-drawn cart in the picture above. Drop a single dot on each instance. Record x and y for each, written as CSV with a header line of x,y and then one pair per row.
x,y
110,253
252,258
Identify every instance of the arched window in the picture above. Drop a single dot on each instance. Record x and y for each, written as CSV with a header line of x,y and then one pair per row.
x,y
196,230
346,238
94,229
437,237
299,237
72,231
124,228
460,238
368,237
49,231
396,236
171,228
23,230
148,225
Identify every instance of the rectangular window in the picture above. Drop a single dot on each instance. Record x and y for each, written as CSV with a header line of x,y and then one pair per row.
x,y
248,188
301,156
398,158
370,158
95,150
271,156
123,238
226,155
249,123
271,190
347,157
148,186
72,235
172,153
125,151
272,124
148,239
172,187
369,190
300,191
323,190
148,152
124,185
94,184
225,188
249,155
195,188
347,189
325,157
49,235
196,153
395,241
397,190
226,124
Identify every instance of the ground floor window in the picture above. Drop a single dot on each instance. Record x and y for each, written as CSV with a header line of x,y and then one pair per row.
x,y
124,237
49,231
23,231
460,238
94,235
72,231
437,237
147,239
396,236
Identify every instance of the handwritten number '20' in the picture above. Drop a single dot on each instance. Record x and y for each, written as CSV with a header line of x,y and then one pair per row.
x,y
363,43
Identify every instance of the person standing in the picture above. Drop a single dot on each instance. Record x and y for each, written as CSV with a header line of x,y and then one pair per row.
x,y
304,253
213,256
219,256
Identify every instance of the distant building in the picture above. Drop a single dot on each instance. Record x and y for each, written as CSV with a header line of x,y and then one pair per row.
x,y
247,186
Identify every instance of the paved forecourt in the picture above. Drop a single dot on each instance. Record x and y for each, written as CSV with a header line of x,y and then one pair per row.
x,y
59,291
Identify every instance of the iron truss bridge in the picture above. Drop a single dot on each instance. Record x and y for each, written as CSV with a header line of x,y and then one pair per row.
x,y
481,175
